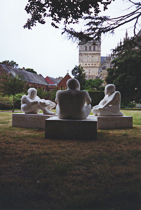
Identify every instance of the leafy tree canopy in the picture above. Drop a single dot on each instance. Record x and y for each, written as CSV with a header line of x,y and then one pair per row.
x,y
132,43
11,85
79,74
71,12
10,63
126,73
93,84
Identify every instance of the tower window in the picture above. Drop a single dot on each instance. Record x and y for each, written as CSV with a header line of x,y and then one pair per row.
x,y
89,48
85,48
93,48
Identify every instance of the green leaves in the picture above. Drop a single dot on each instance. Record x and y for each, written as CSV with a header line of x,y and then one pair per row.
x,y
79,74
70,12
93,84
126,72
10,85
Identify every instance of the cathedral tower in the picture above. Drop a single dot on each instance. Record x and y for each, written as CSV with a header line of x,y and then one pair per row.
x,y
90,58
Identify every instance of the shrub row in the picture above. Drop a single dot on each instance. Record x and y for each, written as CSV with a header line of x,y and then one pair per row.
x,y
96,97
5,106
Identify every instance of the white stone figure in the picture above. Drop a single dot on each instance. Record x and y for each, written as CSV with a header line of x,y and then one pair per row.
x,y
73,103
31,103
110,105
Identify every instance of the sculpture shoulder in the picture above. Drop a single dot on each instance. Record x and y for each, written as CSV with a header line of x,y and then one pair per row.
x,y
117,94
83,91
24,97
59,92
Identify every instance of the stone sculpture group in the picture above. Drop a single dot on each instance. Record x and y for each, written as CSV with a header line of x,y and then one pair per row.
x,y
110,105
73,103
32,104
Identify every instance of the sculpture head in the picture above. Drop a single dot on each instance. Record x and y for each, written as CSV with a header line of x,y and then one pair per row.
x,y
73,84
32,93
109,89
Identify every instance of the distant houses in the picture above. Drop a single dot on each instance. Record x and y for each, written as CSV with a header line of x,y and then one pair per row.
x,y
36,80
33,80
58,83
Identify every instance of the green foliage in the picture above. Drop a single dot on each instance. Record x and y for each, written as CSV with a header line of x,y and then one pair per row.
x,y
6,99
93,84
126,74
79,74
65,14
11,85
128,44
53,95
96,97
46,95
6,102
42,93
10,63
5,106
17,100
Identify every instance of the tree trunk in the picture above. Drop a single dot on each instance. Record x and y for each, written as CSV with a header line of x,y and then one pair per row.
x,y
13,104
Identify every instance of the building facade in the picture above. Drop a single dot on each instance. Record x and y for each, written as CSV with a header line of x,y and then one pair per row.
x,y
33,80
90,58
57,83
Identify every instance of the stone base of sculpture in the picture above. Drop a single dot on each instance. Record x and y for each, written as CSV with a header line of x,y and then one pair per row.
x,y
56,128
29,120
113,122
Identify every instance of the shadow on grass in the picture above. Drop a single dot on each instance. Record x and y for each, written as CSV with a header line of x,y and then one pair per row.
x,y
38,173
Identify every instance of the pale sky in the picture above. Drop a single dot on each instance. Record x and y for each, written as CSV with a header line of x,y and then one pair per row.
x,y
44,48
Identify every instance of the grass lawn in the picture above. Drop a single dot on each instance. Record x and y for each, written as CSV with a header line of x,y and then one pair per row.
x,y
39,173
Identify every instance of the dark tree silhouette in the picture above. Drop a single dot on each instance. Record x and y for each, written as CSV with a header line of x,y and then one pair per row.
x,y
11,85
79,74
70,12
10,63
126,71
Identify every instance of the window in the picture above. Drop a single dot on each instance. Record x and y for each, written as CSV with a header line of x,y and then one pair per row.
x,y
89,48
85,48
93,48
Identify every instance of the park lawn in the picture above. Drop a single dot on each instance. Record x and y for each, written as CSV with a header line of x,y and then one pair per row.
x,y
135,114
39,173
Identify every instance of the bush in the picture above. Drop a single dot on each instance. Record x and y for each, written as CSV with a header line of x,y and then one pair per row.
x,y
42,93
17,104
6,102
5,106
53,95
17,100
96,97
128,105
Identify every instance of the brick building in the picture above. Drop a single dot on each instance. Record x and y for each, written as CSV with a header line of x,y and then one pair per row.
x,y
57,83
36,80
62,84
33,80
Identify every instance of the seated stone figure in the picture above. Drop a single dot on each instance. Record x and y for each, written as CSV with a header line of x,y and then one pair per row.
x,y
110,105
73,103
31,103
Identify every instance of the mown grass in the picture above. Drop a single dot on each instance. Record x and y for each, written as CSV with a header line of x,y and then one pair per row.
x,y
39,173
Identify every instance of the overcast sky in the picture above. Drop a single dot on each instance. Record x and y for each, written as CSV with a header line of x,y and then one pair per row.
x,y
44,48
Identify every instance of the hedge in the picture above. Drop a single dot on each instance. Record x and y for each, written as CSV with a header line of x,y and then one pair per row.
x,y
4,106
96,97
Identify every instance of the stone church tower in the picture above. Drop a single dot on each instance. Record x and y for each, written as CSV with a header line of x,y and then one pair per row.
x,y
90,58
